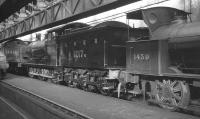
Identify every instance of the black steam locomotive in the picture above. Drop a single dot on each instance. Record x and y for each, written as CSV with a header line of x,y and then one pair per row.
x,y
160,64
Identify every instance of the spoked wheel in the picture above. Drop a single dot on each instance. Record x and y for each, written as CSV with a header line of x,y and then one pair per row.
x,y
30,75
105,92
91,88
172,94
130,97
49,80
85,88
40,78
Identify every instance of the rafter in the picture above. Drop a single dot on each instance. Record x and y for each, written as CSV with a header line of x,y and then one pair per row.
x,y
60,12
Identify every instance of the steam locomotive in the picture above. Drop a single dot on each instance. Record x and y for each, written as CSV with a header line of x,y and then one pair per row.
x,y
160,63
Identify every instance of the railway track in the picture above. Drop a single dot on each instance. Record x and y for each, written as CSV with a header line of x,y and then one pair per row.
x,y
193,108
11,111
69,112
77,115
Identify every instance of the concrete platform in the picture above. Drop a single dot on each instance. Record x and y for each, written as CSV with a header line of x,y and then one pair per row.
x,y
93,105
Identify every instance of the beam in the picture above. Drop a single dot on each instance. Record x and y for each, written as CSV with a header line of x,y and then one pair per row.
x,y
8,7
62,12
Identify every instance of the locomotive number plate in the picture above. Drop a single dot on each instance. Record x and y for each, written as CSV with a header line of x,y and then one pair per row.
x,y
141,57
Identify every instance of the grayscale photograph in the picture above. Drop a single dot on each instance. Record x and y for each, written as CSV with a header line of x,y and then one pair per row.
x,y
99,59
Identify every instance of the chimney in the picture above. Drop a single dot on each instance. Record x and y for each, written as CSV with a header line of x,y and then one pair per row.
x,y
161,16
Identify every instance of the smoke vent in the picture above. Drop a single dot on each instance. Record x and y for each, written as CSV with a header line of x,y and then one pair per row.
x,y
160,20
160,16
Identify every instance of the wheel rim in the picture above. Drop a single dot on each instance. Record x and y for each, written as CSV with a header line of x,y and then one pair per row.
x,y
31,75
172,94
105,92
130,97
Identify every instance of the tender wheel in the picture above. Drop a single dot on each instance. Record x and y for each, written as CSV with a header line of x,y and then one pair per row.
x,y
172,94
40,78
84,88
130,97
91,88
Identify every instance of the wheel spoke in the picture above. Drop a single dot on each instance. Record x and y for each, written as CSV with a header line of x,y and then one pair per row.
x,y
176,89
168,82
176,96
162,98
173,83
164,81
174,101
160,84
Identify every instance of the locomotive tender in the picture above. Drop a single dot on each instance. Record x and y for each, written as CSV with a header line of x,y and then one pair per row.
x,y
160,63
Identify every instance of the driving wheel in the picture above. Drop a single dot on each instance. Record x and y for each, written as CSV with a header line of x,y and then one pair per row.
x,y
172,94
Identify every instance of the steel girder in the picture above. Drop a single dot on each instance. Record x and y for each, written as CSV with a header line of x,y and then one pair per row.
x,y
8,7
62,12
